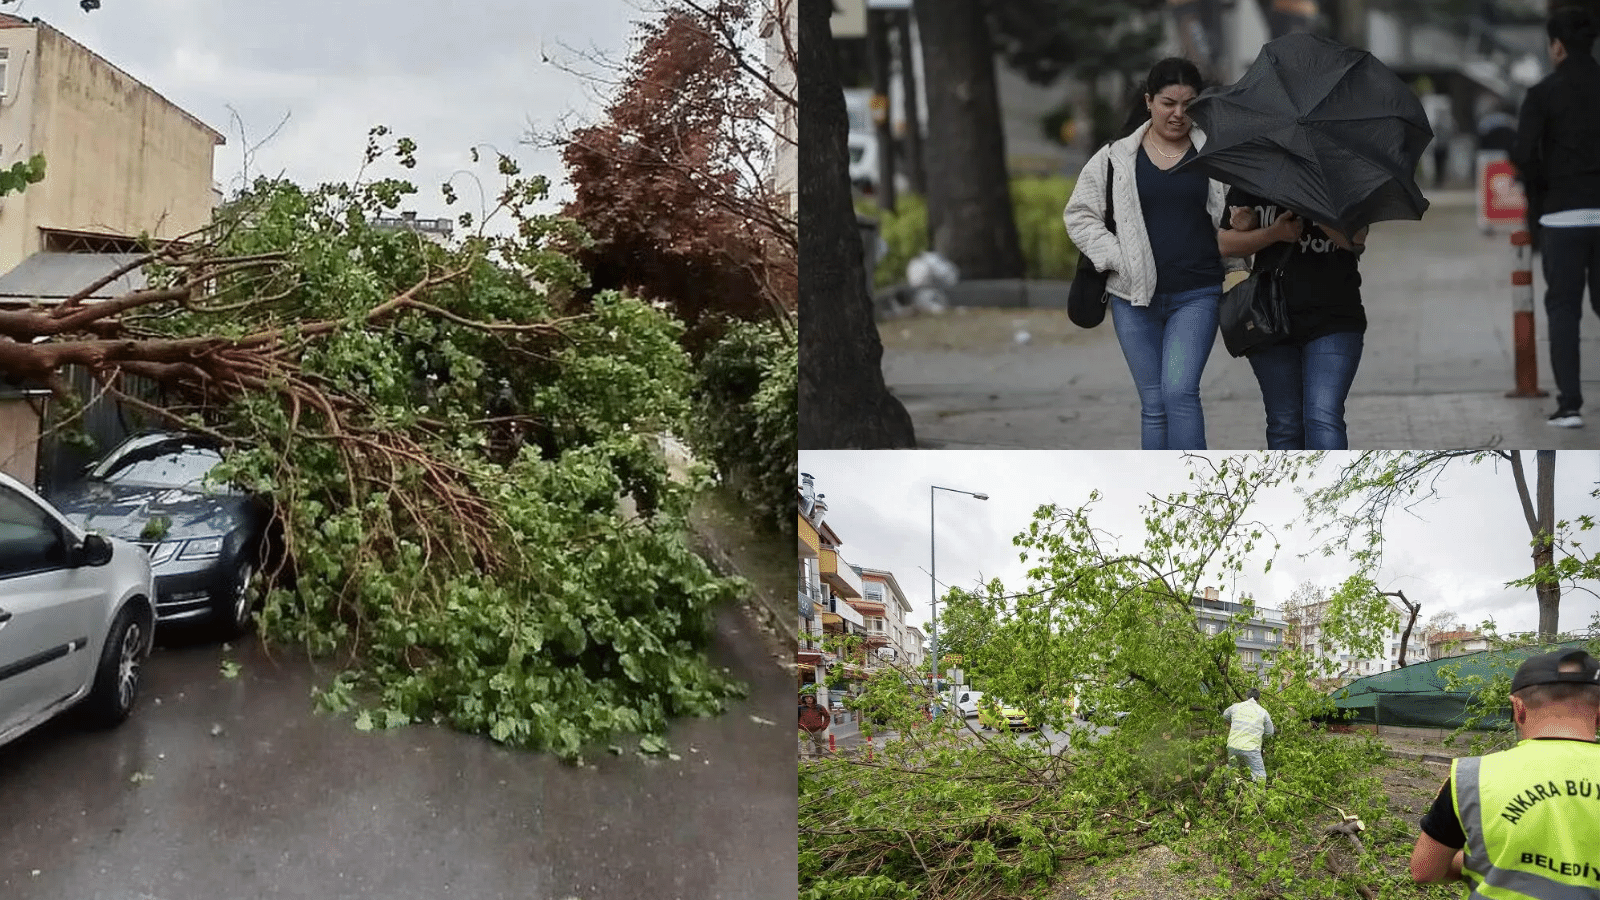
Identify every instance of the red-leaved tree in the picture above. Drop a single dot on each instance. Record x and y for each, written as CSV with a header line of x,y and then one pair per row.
x,y
676,183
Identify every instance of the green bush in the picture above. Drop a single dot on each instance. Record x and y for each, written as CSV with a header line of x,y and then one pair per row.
x,y
1037,203
904,231
745,394
1046,249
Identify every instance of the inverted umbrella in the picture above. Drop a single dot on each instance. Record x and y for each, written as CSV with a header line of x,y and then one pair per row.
x,y
1320,128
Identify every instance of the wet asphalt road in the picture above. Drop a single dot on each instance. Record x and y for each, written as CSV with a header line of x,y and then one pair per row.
x,y
287,803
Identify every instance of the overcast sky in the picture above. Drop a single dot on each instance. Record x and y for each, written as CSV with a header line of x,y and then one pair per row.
x,y
449,75
1456,554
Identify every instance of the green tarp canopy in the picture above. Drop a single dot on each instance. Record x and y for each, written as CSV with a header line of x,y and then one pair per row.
x,y
1415,696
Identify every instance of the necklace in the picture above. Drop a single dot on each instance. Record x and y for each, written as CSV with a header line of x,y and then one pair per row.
x,y
1166,154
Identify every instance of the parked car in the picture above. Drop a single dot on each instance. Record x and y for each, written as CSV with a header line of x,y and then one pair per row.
x,y
208,540
77,617
1089,712
996,713
968,702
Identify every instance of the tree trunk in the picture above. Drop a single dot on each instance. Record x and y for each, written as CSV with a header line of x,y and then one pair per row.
x,y
1414,608
969,194
908,82
1544,551
844,402
1539,508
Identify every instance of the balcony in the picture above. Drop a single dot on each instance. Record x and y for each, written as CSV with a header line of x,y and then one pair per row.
x,y
809,651
810,599
837,574
839,611
810,542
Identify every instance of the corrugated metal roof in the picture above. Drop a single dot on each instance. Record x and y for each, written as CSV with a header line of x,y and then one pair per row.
x,y
46,277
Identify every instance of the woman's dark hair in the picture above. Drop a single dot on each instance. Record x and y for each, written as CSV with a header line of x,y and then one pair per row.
x,y
1167,72
1574,27
1252,694
1170,71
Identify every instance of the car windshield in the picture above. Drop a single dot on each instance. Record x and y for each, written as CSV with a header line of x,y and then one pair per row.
x,y
162,465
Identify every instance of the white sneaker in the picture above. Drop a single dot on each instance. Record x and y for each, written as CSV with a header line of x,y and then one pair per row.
x,y
1566,418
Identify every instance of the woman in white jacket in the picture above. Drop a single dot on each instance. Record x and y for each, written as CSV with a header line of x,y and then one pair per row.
x,y
1165,271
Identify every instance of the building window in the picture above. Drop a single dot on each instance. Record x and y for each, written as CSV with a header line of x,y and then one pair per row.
x,y
874,591
5,70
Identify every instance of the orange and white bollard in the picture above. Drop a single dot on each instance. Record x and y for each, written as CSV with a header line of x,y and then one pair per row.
x,y
831,747
1525,356
869,748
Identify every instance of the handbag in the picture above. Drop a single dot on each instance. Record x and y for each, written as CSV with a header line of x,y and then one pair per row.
x,y
1255,312
1086,299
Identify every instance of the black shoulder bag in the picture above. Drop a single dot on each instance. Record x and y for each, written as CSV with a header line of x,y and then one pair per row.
x,y
1255,313
1086,299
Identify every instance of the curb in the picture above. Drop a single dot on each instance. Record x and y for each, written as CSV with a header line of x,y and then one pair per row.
x,y
779,617
1419,756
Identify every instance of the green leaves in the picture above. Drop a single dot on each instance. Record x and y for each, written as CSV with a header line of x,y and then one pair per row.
x,y
21,174
472,490
948,812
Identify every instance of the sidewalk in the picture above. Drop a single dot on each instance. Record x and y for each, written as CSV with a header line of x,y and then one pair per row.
x,y
1437,363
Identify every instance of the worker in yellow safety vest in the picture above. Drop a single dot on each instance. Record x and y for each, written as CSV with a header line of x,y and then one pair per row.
x,y
1249,724
1525,822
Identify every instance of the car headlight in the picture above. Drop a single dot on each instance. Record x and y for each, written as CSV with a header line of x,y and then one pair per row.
x,y
201,548
162,552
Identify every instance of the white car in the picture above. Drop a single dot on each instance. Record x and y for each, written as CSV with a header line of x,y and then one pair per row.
x,y
77,617
967,702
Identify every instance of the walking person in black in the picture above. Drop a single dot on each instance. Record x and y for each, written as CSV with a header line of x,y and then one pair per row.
x,y
1306,377
1558,154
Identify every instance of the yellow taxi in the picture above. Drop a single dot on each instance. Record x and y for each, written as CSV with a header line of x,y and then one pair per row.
x,y
994,714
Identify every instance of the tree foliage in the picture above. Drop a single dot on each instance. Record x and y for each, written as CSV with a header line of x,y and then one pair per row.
x,y
673,184
21,174
744,400
1081,39
476,513
1354,509
949,811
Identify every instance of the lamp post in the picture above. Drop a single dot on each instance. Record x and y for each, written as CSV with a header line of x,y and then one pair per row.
x,y
933,585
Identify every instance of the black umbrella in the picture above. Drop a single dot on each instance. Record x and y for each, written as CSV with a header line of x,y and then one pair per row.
x,y
1320,128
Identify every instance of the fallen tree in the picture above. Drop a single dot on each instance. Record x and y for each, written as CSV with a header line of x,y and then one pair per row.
x,y
476,513
950,812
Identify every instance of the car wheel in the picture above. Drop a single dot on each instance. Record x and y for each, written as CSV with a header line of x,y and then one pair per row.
x,y
235,617
116,677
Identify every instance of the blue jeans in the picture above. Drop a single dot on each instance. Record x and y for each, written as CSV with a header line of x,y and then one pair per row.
x,y
1304,387
1571,263
1166,345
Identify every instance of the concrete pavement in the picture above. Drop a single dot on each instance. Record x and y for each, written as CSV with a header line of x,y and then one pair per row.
x,y
1437,363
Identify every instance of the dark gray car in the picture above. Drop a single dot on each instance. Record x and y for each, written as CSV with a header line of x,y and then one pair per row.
x,y
207,540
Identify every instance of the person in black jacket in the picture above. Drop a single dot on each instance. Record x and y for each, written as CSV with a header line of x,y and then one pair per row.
x,y
1306,377
1558,154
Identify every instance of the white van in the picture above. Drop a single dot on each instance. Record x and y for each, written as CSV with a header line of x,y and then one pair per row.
x,y
967,702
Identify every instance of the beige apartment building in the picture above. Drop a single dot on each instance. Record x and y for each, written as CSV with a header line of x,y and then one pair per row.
x,y
120,158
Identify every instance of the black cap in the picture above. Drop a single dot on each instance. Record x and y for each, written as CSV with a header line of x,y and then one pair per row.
x,y
1545,669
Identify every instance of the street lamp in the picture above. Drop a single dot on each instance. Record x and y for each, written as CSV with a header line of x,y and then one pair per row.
x,y
933,584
